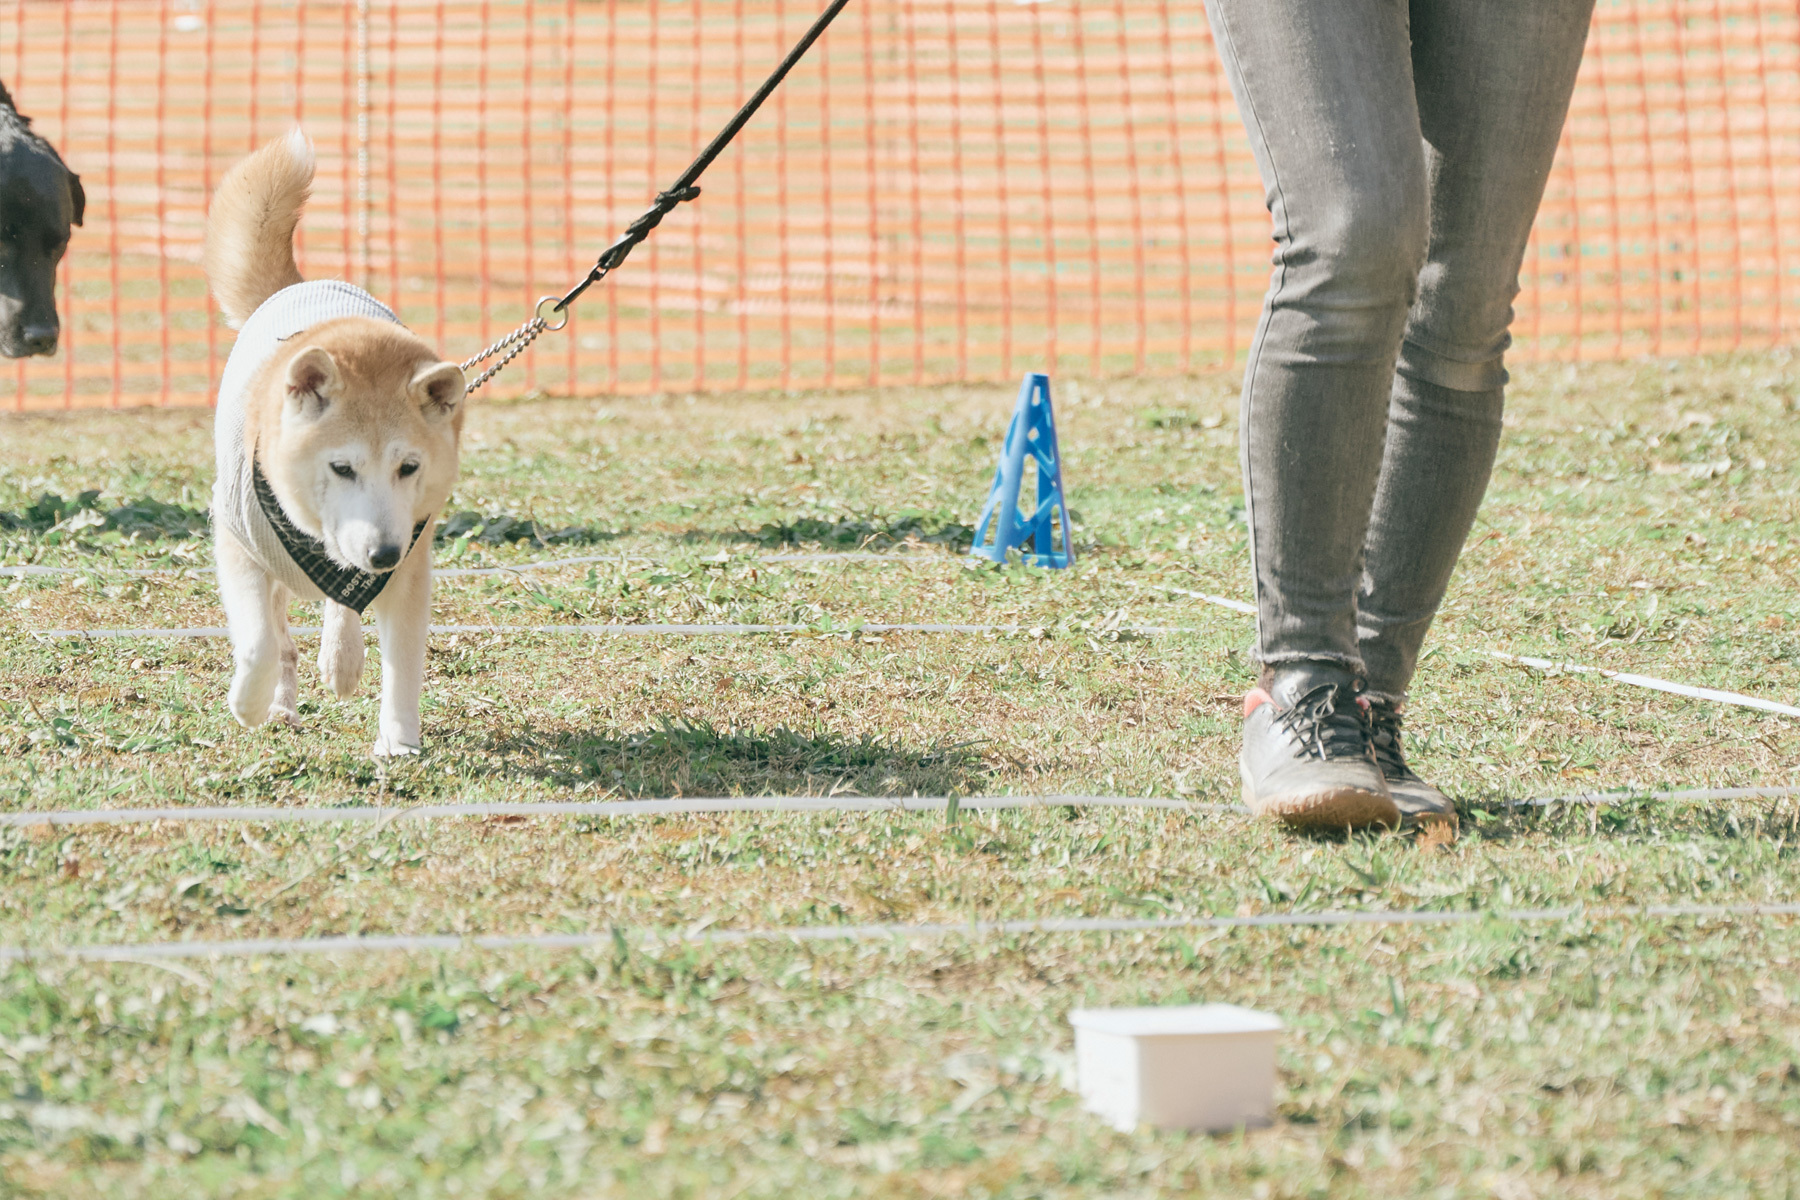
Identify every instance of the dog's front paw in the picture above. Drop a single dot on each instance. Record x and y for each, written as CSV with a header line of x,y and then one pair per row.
x,y
341,679
341,656
387,746
252,694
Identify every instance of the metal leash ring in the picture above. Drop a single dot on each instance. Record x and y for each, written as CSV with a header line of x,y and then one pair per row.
x,y
556,306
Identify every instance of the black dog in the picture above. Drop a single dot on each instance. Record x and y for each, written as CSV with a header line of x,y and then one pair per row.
x,y
39,199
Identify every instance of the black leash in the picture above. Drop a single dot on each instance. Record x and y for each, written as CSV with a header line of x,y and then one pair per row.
x,y
682,190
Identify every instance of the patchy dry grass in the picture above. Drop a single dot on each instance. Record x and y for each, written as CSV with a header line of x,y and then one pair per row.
x,y
1641,518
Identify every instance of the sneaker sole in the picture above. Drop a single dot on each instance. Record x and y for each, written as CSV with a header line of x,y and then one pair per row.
x,y
1338,808
1430,817
1422,805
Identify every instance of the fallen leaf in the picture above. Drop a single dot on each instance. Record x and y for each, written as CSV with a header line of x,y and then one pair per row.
x,y
1436,835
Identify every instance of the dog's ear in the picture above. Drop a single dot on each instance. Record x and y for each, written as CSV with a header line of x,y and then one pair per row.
x,y
78,196
311,374
439,390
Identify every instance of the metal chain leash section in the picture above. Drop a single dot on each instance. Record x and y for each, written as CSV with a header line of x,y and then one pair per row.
x,y
513,344
683,190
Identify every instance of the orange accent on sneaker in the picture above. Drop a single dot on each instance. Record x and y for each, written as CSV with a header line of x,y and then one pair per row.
x,y
1255,699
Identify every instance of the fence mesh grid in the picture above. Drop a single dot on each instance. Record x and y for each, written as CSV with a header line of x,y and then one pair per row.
x,y
944,190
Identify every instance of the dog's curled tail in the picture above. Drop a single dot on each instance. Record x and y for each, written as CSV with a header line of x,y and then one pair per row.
x,y
250,228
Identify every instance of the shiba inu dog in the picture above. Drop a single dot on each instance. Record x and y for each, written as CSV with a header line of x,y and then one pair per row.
x,y
336,440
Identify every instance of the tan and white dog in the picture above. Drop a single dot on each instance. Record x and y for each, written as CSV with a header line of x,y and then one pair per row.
x,y
336,440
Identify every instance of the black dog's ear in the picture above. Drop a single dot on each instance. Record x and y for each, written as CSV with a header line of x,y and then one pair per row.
x,y
77,195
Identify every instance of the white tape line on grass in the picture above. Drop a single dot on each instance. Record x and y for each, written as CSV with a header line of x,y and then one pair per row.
x,y
19,572
375,943
1236,606
1646,681
1714,695
644,630
542,564
687,805
1686,796
700,805
1543,664
751,560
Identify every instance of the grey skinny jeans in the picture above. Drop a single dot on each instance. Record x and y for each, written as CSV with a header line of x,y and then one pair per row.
x,y
1404,149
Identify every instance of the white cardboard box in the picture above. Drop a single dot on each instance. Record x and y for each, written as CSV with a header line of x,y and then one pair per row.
x,y
1198,1067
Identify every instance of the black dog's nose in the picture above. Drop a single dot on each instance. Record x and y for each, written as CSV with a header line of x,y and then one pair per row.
x,y
385,558
39,339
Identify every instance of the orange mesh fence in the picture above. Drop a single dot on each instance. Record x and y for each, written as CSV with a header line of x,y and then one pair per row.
x,y
944,190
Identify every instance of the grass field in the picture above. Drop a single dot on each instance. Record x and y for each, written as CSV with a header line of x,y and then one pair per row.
x,y
1641,519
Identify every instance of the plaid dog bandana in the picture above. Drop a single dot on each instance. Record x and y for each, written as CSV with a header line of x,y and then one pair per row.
x,y
349,586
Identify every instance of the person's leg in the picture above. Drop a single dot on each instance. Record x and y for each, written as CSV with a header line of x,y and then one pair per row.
x,y
1493,84
1327,95
1326,92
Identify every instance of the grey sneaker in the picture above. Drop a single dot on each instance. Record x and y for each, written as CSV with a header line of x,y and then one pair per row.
x,y
1419,803
1306,758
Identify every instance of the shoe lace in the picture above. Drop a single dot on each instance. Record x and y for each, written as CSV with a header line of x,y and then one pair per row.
x,y
1384,740
1325,730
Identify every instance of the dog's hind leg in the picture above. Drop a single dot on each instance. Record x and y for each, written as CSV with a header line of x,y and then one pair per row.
x,y
341,650
285,706
249,596
403,618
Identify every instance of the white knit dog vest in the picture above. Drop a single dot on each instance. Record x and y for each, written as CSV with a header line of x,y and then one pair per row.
x,y
286,314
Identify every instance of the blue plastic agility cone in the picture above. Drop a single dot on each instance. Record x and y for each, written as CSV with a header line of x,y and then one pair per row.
x,y
1039,532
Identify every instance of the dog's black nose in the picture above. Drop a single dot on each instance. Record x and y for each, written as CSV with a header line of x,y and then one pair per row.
x,y
385,558
39,339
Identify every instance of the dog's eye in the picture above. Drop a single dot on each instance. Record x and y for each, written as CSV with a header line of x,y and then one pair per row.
x,y
408,468
343,470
